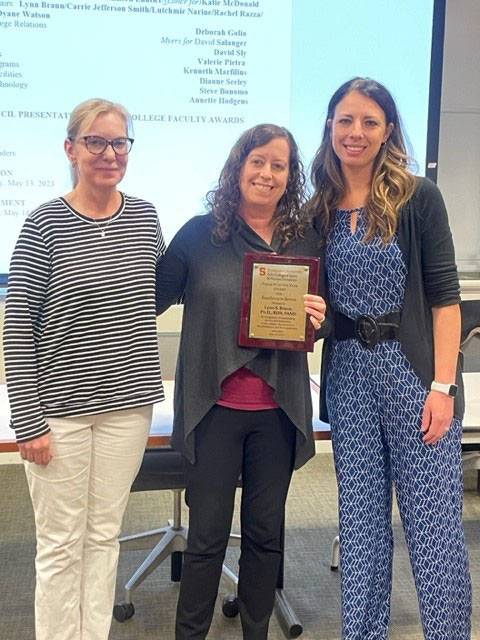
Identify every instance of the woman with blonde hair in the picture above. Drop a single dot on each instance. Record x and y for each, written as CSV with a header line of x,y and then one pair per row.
x,y
391,376
83,370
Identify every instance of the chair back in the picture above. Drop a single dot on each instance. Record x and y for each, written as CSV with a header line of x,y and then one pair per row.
x,y
162,468
470,337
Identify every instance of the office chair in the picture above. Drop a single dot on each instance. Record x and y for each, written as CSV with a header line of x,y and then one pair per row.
x,y
470,349
162,468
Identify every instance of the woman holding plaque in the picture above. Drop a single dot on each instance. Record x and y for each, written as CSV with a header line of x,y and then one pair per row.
x,y
391,377
82,369
238,410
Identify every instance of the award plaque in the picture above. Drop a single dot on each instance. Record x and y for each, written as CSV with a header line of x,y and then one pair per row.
x,y
273,311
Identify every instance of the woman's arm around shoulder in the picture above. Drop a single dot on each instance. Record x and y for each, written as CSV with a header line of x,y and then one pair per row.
x,y
173,266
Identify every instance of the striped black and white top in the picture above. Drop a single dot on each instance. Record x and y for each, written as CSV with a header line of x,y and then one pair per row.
x,y
80,333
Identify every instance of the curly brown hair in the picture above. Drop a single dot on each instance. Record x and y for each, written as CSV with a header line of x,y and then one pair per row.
x,y
223,201
392,182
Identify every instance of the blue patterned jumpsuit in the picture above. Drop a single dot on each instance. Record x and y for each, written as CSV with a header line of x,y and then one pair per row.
x,y
375,403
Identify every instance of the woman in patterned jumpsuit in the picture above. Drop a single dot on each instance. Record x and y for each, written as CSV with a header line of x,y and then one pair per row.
x,y
390,372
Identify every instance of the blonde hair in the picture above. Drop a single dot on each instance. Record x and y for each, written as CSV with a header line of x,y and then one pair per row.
x,y
392,183
85,114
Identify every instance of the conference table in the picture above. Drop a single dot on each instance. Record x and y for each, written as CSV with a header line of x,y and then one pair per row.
x,y
163,411
161,428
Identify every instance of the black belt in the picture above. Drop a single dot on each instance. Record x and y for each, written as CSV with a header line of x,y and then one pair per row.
x,y
367,329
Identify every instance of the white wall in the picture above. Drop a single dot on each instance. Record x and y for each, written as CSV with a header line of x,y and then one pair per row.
x,y
459,152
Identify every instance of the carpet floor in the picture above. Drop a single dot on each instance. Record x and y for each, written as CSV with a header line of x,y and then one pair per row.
x,y
312,589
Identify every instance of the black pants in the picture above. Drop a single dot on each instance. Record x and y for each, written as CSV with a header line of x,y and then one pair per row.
x,y
261,446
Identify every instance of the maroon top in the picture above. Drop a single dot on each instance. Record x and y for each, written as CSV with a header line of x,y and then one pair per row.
x,y
244,390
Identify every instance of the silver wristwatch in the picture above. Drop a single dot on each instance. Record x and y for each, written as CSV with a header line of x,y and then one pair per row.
x,y
449,389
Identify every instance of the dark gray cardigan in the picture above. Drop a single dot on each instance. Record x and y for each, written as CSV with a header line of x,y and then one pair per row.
x,y
426,242
210,277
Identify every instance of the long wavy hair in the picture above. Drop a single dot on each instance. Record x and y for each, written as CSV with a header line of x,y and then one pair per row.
x,y
223,201
392,183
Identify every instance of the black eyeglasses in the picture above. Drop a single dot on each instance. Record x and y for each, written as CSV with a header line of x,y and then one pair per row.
x,y
97,144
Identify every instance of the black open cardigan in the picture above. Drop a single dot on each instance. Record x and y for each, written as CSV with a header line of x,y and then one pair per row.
x,y
425,240
210,278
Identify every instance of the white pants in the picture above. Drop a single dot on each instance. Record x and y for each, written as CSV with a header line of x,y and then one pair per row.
x,y
79,499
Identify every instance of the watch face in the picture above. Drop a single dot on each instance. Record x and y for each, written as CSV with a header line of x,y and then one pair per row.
x,y
453,390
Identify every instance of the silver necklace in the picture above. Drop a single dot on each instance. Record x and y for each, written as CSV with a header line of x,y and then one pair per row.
x,y
102,229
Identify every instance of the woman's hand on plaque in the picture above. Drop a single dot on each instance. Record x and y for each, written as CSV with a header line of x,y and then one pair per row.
x,y
315,307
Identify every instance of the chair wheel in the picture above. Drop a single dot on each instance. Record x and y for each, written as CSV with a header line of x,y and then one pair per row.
x,y
230,607
296,631
123,611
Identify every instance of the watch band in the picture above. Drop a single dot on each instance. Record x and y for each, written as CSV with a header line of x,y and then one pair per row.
x,y
448,389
